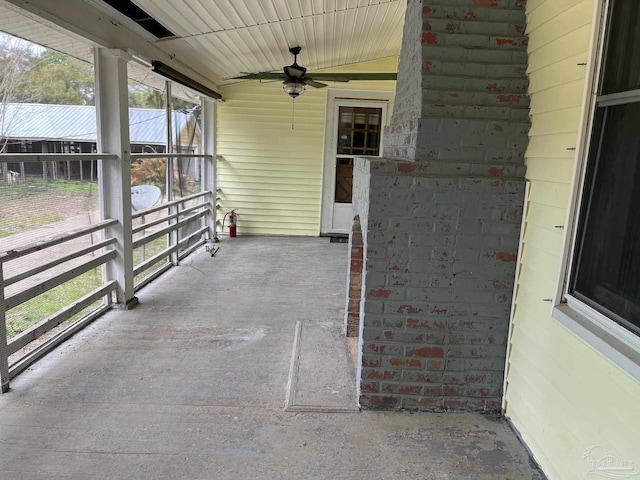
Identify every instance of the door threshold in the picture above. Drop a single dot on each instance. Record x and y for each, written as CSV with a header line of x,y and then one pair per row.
x,y
344,239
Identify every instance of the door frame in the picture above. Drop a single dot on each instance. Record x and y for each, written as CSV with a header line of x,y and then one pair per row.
x,y
337,98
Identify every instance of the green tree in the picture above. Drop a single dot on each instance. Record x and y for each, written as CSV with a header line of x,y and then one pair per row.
x,y
58,79
16,57
141,96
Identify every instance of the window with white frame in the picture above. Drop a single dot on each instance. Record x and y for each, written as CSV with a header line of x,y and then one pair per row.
x,y
605,271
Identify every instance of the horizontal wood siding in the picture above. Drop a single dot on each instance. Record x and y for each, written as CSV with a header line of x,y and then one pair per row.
x,y
269,171
562,396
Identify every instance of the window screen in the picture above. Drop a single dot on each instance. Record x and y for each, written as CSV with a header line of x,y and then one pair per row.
x,y
606,272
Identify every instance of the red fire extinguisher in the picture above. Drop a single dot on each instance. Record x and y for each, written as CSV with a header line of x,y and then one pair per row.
x,y
233,218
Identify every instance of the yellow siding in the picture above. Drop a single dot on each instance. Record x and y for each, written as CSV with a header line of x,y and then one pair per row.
x,y
562,396
270,172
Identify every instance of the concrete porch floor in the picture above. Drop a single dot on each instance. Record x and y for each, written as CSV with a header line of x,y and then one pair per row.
x,y
192,384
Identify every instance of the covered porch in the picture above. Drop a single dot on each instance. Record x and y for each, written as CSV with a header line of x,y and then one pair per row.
x,y
233,366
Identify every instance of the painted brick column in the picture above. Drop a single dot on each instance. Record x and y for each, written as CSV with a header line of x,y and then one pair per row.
x,y
441,214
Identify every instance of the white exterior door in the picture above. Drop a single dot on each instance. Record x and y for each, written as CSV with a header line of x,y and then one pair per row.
x,y
355,121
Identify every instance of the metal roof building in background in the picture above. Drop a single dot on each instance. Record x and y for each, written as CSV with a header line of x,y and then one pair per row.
x,y
29,121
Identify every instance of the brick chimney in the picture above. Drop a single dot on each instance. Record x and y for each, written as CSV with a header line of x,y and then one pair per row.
x,y
438,219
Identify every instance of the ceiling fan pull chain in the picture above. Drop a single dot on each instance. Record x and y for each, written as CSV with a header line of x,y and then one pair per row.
x,y
293,111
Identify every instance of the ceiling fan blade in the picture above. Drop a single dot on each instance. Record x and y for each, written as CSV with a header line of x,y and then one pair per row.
x,y
330,78
345,77
260,76
313,83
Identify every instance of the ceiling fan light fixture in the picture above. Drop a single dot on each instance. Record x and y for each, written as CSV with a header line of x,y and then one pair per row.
x,y
293,89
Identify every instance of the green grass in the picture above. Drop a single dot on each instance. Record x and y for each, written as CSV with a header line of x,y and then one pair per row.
x,y
151,249
35,203
38,186
35,310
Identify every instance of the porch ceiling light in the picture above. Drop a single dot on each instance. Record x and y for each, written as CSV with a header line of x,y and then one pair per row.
x,y
293,88
176,76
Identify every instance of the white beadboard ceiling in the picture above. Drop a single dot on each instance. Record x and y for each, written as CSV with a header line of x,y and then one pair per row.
x,y
216,40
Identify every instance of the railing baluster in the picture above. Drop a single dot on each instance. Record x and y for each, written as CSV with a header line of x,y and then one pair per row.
x,y
4,353
200,209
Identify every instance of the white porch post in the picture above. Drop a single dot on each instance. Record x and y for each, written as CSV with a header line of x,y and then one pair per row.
x,y
208,178
4,353
172,237
114,176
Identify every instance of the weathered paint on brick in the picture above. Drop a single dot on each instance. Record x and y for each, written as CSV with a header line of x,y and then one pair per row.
x,y
441,214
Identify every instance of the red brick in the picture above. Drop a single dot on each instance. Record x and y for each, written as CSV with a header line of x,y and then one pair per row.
x,y
426,352
373,347
427,402
371,362
453,27
466,323
464,404
380,375
379,293
496,171
506,256
370,400
506,41
354,305
352,331
496,87
451,391
511,99
409,390
408,309
480,378
501,285
426,324
436,364
433,391
439,311
406,167
430,38
371,387
478,352
414,362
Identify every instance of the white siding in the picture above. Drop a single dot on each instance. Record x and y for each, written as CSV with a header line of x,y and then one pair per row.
x,y
562,396
269,171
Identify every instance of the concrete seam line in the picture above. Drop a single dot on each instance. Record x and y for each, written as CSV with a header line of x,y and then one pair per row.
x,y
293,382
293,368
320,409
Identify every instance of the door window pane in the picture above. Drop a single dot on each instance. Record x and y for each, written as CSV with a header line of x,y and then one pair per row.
x,y
344,180
358,134
359,131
